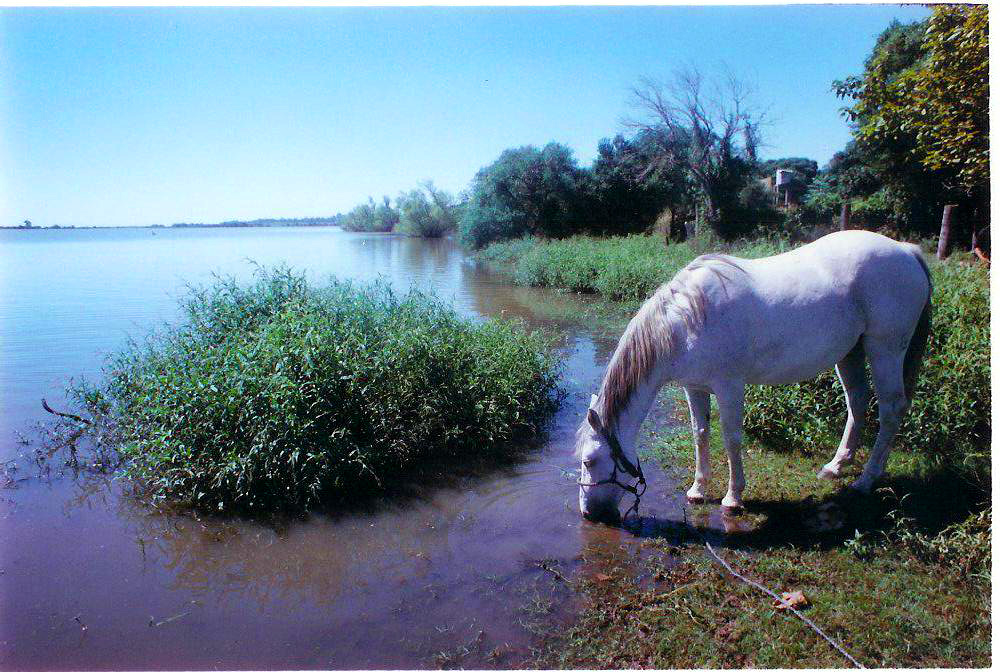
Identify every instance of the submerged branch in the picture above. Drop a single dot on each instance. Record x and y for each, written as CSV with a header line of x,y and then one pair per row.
x,y
71,416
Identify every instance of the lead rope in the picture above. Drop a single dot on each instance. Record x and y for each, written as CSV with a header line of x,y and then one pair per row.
x,y
795,611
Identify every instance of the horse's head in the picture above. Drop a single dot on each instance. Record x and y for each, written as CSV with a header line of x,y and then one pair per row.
x,y
600,470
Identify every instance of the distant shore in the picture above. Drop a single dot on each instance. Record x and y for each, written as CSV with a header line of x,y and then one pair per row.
x,y
257,223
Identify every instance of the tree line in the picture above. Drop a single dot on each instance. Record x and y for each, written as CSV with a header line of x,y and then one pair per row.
x,y
918,116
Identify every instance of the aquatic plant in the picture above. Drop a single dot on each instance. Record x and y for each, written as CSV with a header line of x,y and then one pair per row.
x,y
283,395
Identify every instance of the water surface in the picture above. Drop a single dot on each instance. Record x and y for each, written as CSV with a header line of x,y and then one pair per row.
x,y
451,574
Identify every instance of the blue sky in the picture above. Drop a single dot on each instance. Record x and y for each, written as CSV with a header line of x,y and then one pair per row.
x,y
140,116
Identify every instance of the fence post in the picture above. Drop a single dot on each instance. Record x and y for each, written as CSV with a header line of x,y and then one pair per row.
x,y
845,216
943,239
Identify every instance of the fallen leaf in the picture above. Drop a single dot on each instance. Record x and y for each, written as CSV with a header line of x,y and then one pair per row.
x,y
728,632
795,599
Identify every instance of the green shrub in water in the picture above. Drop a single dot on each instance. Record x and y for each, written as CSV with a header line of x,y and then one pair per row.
x,y
282,395
949,421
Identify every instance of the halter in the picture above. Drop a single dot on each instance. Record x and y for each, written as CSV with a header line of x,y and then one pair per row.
x,y
634,470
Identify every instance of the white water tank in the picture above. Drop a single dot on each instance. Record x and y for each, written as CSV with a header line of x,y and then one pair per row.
x,y
782,178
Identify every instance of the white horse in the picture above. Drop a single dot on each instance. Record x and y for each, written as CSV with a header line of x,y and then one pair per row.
x,y
725,322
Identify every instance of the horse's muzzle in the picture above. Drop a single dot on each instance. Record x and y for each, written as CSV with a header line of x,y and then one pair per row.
x,y
608,515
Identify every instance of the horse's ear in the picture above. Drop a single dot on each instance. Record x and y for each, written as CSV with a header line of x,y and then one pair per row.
x,y
595,421
593,401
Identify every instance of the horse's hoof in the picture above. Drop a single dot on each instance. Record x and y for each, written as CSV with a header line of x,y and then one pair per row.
x,y
825,474
695,499
863,488
736,510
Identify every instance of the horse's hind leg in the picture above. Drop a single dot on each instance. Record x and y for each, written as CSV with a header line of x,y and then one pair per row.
x,y
730,398
887,372
851,371
700,405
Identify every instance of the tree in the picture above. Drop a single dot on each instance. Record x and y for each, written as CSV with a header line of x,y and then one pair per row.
x,y
525,191
384,217
361,217
711,131
921,107
429,213
627,189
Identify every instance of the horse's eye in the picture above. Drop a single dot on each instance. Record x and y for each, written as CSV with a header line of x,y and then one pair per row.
x,y
588,463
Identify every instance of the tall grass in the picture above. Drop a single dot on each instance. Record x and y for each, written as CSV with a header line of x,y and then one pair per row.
x,y
625,268
282,395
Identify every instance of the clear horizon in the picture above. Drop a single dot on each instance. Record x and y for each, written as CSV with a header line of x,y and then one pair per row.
x,y
117,117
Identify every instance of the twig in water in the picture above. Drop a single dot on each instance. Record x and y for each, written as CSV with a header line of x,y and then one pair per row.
x,y
77,418
167,620
544,565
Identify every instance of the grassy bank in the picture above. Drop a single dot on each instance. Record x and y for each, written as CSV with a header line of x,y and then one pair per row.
x,y
900,577
283,395
625,268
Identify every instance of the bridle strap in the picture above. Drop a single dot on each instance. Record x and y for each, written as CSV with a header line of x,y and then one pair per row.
x,y
619,460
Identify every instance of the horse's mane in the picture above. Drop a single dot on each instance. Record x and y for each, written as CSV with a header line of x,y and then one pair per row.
x,y
654,332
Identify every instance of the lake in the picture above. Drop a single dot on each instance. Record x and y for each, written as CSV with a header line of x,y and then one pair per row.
x,y
455,573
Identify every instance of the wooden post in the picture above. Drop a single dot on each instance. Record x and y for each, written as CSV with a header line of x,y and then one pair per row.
x,y
942,251
845,216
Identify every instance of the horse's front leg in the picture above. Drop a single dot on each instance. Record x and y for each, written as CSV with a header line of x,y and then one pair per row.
x,y
730,398
700,402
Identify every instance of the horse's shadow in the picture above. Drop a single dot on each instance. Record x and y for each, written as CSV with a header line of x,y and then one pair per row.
x,y
929,503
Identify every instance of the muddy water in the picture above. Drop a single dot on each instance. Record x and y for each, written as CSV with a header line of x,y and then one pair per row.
x,y
458,571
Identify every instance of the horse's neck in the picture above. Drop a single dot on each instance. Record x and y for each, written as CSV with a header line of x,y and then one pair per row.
x,y
629,420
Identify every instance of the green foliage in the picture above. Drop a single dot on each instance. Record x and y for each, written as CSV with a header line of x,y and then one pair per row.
x,y
925,92
369,217
429,213
625,268
628,188
281,395
951,113
525,191
920,113
949,421
385,218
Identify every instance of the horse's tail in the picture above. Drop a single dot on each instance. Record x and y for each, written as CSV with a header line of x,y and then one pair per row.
x,y
918,342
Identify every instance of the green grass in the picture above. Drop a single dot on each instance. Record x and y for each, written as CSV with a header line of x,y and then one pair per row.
x,y
626,268
890,611
900,578
282,395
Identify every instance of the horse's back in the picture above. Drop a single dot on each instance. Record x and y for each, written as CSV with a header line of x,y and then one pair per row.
x,y
786,317
886,278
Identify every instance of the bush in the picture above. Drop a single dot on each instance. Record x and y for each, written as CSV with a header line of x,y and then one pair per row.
x,y
949,421
427,217
368,217
281,395
525,191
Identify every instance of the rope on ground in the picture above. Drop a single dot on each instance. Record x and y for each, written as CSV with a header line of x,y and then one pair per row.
x,y
795,611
